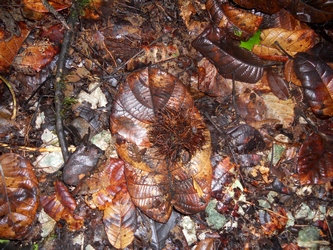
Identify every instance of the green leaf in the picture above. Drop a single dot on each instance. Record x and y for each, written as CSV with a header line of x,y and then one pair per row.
x,y
255,39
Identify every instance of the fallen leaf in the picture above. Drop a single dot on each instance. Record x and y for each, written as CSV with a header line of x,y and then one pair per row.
x,y
315,161
166,145
238,23
120,220
265,6
230,60
19,197
317,81
61,206
8,50
37,5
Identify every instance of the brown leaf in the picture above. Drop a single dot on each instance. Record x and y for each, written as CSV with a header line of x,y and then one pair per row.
x,y
289,73
277,84
292,41
35,57
80,163
61,206
245,138
229,59
317,80
310,11
19,197
315,161
239,23
120,220
105,183
206,244
9,49
273,221
37,5
266,6
163,139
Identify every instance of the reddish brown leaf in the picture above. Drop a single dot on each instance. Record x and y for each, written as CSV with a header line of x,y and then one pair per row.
x,y
315,161
35,57
222,175
120,220
163,139
9,49
246,139
277,84
18,196
105,183
61,206
266,6
206,244
230,60
289,73
317,80
273,221
310,11
239,23
37,5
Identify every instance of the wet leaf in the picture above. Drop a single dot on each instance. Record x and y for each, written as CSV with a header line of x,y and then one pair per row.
x,y
289,73
206,244
265,6
310,11
238,23
19,196
120,220
163,139
228,57
278,85
315,161
61,206
9,49
105,183
317,81
35,57
80,163
273,222
37,5
246,139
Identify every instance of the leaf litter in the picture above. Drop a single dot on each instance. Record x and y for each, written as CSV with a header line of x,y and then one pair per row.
x,y
262,179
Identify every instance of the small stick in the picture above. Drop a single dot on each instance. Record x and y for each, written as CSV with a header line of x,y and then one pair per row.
x,y
13,96
50,8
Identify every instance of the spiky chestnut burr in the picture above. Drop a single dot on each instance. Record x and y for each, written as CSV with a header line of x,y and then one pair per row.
x,y
177,135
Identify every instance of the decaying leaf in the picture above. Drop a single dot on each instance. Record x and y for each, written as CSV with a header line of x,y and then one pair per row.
x,y
120,220
246,139
309,11
80,163
317,80
166,144
238,23
19,196
273,222
315,161
37,5
230,60
277,84
35,57
266,6
8,49
105,183
61,206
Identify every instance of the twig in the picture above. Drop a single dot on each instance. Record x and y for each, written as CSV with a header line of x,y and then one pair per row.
x,y
31,149
9,86
59,84
50,8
